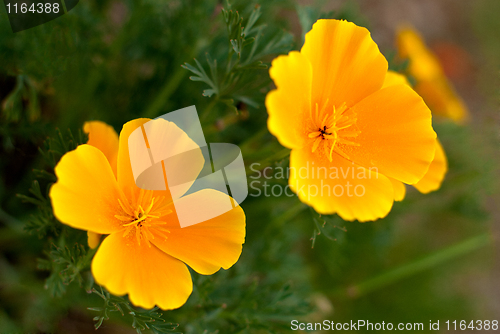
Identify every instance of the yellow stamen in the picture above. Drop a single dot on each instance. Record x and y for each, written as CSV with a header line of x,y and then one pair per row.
x,y
326,128
143,223
316,144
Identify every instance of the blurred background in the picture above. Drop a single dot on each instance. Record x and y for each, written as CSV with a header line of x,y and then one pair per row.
x,y
435,257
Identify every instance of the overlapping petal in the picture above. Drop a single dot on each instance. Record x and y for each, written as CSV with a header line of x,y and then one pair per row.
x,y
396,134
210,245
437,170
93,239
149,276
340,186
399,189
86,193
105,138
394,78
124,168
346,63
177,157
290,104
435,175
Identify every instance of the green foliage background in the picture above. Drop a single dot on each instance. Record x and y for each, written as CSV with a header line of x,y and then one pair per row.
x,y
119,60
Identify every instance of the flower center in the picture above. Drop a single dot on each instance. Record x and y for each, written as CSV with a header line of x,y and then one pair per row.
x,y
141,216
330,129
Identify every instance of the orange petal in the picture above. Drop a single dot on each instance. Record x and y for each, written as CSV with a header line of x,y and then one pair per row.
x,y
340,186
157,133
86,194
346,63
210,245
175,154
124,167
93,239
291,102
394,78
399,189
148,275
437,170
105,138
396,134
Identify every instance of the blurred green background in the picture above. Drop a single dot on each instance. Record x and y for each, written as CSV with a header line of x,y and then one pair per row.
x,y
435,257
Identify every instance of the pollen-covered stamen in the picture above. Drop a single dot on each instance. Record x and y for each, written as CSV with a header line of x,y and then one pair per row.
x,y
329,129
143,222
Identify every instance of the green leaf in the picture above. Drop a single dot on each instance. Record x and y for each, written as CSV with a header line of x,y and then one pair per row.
x,y
141,319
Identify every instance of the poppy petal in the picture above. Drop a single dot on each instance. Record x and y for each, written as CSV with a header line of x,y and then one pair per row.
x,y
178,157
340,186
394,78
208,246
93,239
291,102
399,189
346,63
85,194
124,167
437,170
105,138
148,275
396,134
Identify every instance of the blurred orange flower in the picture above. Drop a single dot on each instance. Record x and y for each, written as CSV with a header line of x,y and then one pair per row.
x,y
431,81
146,251
349,136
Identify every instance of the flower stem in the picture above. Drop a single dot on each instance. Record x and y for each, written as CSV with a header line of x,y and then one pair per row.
x,y
428,262
206,113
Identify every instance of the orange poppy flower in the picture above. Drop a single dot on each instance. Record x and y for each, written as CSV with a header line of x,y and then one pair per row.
x,y
439,166
431,81
146,252
348,135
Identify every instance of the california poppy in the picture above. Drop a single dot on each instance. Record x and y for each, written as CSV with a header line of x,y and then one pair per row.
x,y
348,134
146,251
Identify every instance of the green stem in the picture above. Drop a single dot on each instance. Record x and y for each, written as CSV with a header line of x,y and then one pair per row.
x,y
206,112
430,261
64,6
